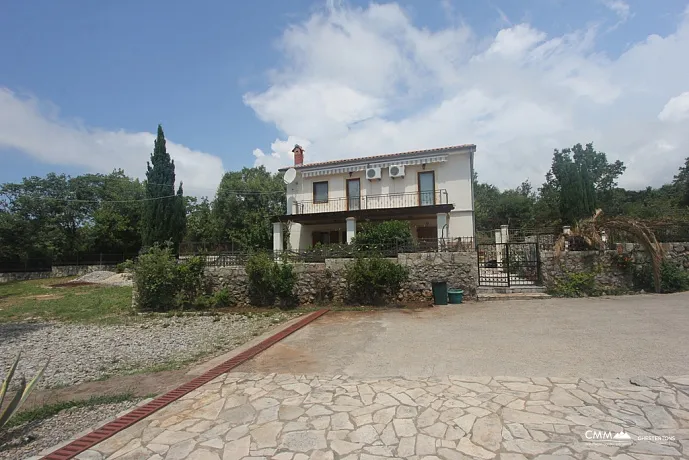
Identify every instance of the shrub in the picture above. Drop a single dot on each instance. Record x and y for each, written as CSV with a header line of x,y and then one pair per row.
x,y
223,298
155,279
190,281
672,278
575,284
122,267
269,280
162,283
374,279
384,235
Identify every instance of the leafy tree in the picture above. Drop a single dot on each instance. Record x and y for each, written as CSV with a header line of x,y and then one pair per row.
x,y
56,216
486,197
583,179
494,208
164,214
200,224
547,206
244,204
681,183
115,226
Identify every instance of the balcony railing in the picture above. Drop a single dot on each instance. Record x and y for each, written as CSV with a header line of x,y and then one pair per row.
x,y
385,201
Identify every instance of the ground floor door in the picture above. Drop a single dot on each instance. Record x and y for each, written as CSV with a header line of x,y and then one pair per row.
x,y
427,237
330,237
508,264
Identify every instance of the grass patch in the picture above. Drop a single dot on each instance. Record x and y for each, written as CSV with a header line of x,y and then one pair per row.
x,y
22,300
49,410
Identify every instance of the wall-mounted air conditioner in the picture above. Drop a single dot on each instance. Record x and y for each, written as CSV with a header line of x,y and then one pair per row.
x,y
396,171
373,173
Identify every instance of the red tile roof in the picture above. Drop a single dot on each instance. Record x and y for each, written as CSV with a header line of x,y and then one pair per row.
x,y
378,157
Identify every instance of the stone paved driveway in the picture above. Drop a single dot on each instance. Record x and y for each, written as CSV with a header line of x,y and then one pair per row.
x,y
300,417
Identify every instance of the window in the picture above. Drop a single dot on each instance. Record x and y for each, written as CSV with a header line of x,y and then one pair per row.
x,y
320,192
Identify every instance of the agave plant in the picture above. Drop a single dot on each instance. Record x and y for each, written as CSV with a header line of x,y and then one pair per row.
x,y
20,396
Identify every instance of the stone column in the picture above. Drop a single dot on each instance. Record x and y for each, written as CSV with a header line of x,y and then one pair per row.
x,y
505,233
567,230
498,246
351,229
443,229
277,237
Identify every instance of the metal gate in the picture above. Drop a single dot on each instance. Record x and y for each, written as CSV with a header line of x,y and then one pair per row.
x,y
508,264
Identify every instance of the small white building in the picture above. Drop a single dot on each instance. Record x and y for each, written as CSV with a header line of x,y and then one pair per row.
x,y
431,189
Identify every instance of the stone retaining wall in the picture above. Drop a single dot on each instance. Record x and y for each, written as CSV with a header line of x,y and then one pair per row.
x,y
55,272
610,277
324,282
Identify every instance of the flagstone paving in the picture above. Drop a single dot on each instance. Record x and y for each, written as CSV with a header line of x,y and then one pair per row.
x,y
299,417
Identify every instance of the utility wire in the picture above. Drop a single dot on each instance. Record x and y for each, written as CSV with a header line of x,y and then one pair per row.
x,y
144,181
74,200
70,200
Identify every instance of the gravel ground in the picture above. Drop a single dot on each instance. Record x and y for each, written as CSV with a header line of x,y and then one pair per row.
x,y
106,277
80,353
26,441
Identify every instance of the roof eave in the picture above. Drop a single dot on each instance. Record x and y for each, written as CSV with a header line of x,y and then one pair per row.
x,y
471,148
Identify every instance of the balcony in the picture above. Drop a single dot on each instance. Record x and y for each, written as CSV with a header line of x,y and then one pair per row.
x,y
356,204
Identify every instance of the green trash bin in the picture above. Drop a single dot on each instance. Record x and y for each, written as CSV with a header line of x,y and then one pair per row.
x,y
455,295
439,292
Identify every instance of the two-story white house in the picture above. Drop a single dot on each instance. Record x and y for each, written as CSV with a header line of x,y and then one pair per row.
x,y
431,189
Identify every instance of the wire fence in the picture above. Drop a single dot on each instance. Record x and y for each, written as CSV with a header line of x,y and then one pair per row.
x,y
46,264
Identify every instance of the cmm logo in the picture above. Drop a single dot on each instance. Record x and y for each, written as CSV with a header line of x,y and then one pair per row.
x,y
607,436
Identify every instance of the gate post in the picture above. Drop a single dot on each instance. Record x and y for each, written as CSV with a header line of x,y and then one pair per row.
x,y
498,249
507,262
505,233
539,275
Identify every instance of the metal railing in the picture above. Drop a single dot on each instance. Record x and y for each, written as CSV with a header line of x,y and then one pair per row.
x,y
319,252
384,201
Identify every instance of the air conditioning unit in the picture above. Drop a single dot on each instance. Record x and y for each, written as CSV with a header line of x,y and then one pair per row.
x,y
396,171
373,173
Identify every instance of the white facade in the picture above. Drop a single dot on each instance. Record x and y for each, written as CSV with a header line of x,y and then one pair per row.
x,y
449,208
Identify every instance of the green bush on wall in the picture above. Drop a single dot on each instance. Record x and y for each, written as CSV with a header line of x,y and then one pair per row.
x,y
270,281
574,284
155,279
672,278
372,280
384,235
162,283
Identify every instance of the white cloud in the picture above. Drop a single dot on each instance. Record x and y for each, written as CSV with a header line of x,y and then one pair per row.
x,y
620,8
676,109
35,129
366,81
281,153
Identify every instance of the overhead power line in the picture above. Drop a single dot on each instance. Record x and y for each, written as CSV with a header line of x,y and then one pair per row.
x,y
72,200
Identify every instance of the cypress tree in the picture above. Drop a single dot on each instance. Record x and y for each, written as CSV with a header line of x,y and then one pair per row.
x,y
164,217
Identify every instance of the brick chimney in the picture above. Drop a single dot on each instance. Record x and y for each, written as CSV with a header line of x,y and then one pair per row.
x,y
298,155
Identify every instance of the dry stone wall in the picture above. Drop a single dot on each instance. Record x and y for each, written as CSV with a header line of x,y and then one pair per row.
x,y
324,282
611,277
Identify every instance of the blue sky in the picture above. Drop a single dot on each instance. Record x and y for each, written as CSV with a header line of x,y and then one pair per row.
x,y
83,84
